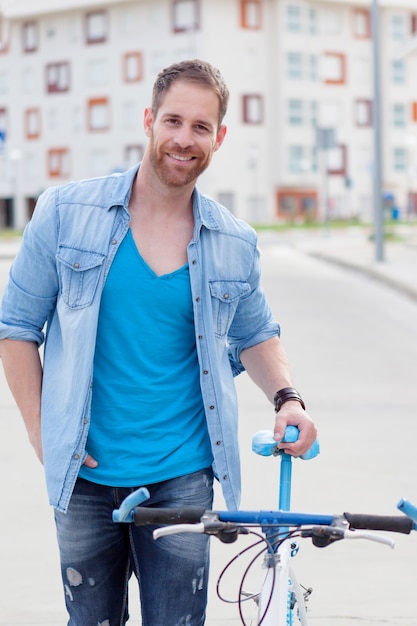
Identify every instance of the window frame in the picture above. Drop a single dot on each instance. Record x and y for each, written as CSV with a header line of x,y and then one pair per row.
x,y
30,28
340,171
62,156
194,25
368,105
32,113
359,13
138,75
55,86
246,17
91,39
248,101
341,80
98,102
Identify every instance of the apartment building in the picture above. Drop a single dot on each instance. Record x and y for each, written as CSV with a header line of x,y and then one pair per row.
x,y
75,76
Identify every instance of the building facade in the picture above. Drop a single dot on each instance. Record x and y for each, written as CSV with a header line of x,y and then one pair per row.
x,y
75,77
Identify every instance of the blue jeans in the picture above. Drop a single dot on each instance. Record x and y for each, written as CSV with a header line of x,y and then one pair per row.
x,y
98,557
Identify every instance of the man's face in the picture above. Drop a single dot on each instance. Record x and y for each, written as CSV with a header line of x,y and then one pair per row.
x,y
184,133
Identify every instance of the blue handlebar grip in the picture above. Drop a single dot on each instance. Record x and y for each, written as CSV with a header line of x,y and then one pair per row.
x,y
125,511
263,443
409,509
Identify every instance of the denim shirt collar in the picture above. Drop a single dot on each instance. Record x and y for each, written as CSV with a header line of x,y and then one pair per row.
x,y
122,191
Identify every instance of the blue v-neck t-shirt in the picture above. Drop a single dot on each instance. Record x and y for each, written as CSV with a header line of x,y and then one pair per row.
x,y
147,417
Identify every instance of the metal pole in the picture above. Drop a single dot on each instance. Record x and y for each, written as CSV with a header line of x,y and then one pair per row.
x,y
377,180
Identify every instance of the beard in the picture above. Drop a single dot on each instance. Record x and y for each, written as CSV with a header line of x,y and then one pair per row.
x,y
174,175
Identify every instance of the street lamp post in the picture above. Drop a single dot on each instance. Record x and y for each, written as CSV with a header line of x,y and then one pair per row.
x,y
377,178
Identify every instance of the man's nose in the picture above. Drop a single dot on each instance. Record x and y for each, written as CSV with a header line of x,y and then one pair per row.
x,y
184,136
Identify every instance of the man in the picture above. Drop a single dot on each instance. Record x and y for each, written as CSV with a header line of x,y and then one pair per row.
x,y
151,297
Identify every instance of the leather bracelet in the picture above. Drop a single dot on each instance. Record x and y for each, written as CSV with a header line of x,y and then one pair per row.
x,y
285,395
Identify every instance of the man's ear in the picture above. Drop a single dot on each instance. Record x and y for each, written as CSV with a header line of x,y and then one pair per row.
x,y
221,134
148,120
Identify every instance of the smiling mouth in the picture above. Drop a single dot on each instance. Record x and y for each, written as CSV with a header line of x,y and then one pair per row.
x,y
181,157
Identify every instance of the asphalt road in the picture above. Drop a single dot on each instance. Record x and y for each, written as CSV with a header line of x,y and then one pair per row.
x,y
352,344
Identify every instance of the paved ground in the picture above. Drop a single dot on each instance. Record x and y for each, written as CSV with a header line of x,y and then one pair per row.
x,y
29,585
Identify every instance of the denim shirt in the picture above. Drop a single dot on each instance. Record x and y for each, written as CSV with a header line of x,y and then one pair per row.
x,y
55,286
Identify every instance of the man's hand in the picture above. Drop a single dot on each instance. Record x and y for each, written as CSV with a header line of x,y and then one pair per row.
x,y
292,414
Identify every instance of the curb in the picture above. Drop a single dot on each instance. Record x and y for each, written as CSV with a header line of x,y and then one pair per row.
x,y
375,274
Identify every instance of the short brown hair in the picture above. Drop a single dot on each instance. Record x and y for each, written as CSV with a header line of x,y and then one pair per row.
x,y
194,71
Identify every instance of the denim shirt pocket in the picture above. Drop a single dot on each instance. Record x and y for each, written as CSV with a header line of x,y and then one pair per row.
x,y
79,273
225,297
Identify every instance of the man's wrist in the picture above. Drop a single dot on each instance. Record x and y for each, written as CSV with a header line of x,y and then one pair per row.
x,y
287,394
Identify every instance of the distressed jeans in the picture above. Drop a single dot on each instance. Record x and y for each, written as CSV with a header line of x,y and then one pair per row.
x,y
98,557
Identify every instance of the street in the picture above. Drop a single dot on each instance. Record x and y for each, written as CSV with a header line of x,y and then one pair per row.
x,y
352,345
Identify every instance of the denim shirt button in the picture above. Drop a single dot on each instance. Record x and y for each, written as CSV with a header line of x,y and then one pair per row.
x,y
211,407
205,371
200,336
225,477
193,262
226,296
76,457
218,443
197,299
76,265
114,241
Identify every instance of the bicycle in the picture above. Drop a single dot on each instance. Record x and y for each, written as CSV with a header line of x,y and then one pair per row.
x,y
281,601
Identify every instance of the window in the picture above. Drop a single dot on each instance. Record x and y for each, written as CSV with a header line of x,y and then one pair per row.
x,y
131,114
294,65
399,115
251,14
253,109
398,72
414,111
3,121
296,159
4,34
331,113
314,113
414,24
333,68
294,18
295,112
96,27
57,77
133,154
313,66
312,18
361,23
58,162
132,67
98,114
32,123
185,16
398,27
363,112
97,72
400,159
336,161
331,22
30,36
